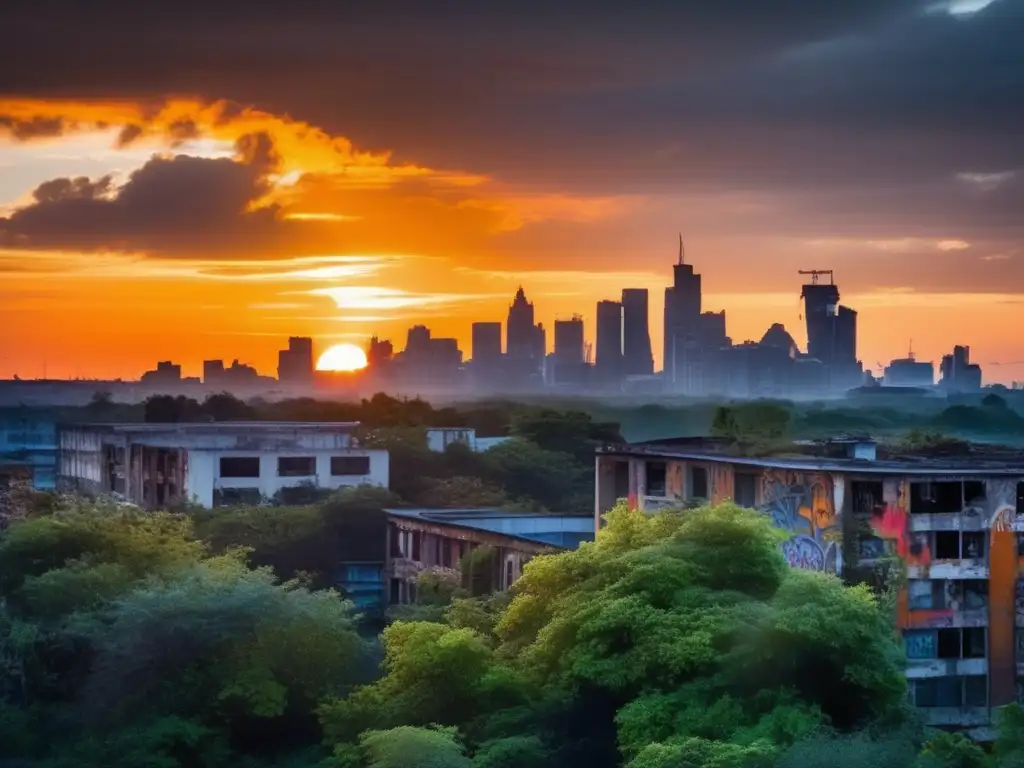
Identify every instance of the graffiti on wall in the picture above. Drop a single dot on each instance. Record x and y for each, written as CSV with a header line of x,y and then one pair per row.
x,y
804,505
920,644
892,523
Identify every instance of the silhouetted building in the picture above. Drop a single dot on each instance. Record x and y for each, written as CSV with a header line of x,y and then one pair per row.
x,y
240,374
909,372
569,340
166,372
428,360
831,332
959,374
379,353
213,372
295,364
608,362
486,343
682,322
520,340
712,330
637,359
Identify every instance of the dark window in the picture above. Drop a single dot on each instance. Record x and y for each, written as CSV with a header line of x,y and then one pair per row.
x,y
947,545
867,497
939,692
621,480
296,466
949,643
396,592
973,546
350,465
416,545
396,547
974,643
698,483
746,489
236,497
446,553
930,498
240,466
1020,499
976,691
656,474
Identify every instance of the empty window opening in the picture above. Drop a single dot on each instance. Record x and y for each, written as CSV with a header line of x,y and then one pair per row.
x,y
296,466
240,466
867,497
949,643
938,692
975,594
976,691
746,489
974,645
973,545
621,479
947,545
698,483
237,497
342,466
656,478
974,492
937,498
1020,499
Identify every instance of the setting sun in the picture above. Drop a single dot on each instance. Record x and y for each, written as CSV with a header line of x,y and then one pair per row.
x,y
342,357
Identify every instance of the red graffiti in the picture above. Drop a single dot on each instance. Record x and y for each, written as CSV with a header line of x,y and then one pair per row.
x,y
892,525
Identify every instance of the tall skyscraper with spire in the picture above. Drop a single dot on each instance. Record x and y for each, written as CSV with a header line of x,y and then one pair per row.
x,y
524,341
682,318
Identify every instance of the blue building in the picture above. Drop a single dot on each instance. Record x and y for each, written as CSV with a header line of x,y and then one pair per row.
x,y
28,449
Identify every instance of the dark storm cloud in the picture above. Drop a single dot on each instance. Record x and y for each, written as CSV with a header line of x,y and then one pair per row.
x,y
35,128
178,205
858,114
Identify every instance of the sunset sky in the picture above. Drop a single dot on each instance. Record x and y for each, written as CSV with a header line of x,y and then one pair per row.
x,y
202,180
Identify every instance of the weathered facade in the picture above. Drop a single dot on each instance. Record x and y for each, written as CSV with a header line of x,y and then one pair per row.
x,y
957,523
421,539
158,465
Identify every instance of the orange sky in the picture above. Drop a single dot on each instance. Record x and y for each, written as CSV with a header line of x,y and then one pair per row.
x,y
318,237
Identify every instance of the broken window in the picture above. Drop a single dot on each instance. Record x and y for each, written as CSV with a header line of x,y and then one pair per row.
x,y
745,489
976,691
947,545
237,497
698,483
948,643
974,492
656,478
974,645
938,692
972,545
296,466
975,594
342,466
936,498
240,466
921,594
867,497
1020,499
621,479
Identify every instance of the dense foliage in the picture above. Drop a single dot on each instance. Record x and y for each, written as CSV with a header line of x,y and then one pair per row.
x,y
675,640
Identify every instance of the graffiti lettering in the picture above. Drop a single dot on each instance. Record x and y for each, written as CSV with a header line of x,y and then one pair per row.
x,y
804,552
920,644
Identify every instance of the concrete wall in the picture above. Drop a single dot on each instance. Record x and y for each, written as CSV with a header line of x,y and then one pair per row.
x,y
28,448
204,476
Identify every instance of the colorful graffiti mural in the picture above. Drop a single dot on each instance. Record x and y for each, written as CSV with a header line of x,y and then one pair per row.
x,y
804,504
892,524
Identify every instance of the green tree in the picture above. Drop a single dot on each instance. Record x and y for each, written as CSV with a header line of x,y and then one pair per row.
x,y
406,747
224,406
1009,746
951,750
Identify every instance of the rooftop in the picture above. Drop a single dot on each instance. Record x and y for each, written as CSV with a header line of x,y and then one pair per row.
x,y
566,531
216,426
834,455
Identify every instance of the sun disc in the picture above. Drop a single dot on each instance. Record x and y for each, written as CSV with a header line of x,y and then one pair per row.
x,y
342,357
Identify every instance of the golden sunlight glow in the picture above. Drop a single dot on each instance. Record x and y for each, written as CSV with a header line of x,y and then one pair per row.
x,y
342,357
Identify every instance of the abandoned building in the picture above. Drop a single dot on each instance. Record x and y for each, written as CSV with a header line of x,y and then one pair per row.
x,y
384,554
213,464
955,521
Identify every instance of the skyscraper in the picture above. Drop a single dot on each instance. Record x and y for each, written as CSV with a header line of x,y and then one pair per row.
x,y
295,364
831,332
486,343
521,334
636,336
608,363
569,341
682,317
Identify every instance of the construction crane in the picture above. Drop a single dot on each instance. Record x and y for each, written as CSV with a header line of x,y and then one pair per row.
x,y
814,273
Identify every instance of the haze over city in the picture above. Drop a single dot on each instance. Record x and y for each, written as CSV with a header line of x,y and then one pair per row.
x,y
197,194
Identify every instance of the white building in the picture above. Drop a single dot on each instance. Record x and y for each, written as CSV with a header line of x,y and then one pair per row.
x,y
439,438
156,465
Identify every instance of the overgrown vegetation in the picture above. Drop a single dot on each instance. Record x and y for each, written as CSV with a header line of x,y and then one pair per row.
x,y
680,639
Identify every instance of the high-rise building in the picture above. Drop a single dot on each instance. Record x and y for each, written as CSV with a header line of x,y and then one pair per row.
x,y
379,352
608,362
213,371
682,322
295,364
521,333
959,374
831,332
486,343
636,336
569,341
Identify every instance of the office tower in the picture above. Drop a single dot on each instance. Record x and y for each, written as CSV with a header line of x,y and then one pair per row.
x,y
821,304
712,330
486,343
845,349
521,334
682,318
959,374
213,371
295,364
569,341
636,335
379,352
540,342
608,364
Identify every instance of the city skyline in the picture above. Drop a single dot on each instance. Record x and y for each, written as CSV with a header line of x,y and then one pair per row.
x,y
209,209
